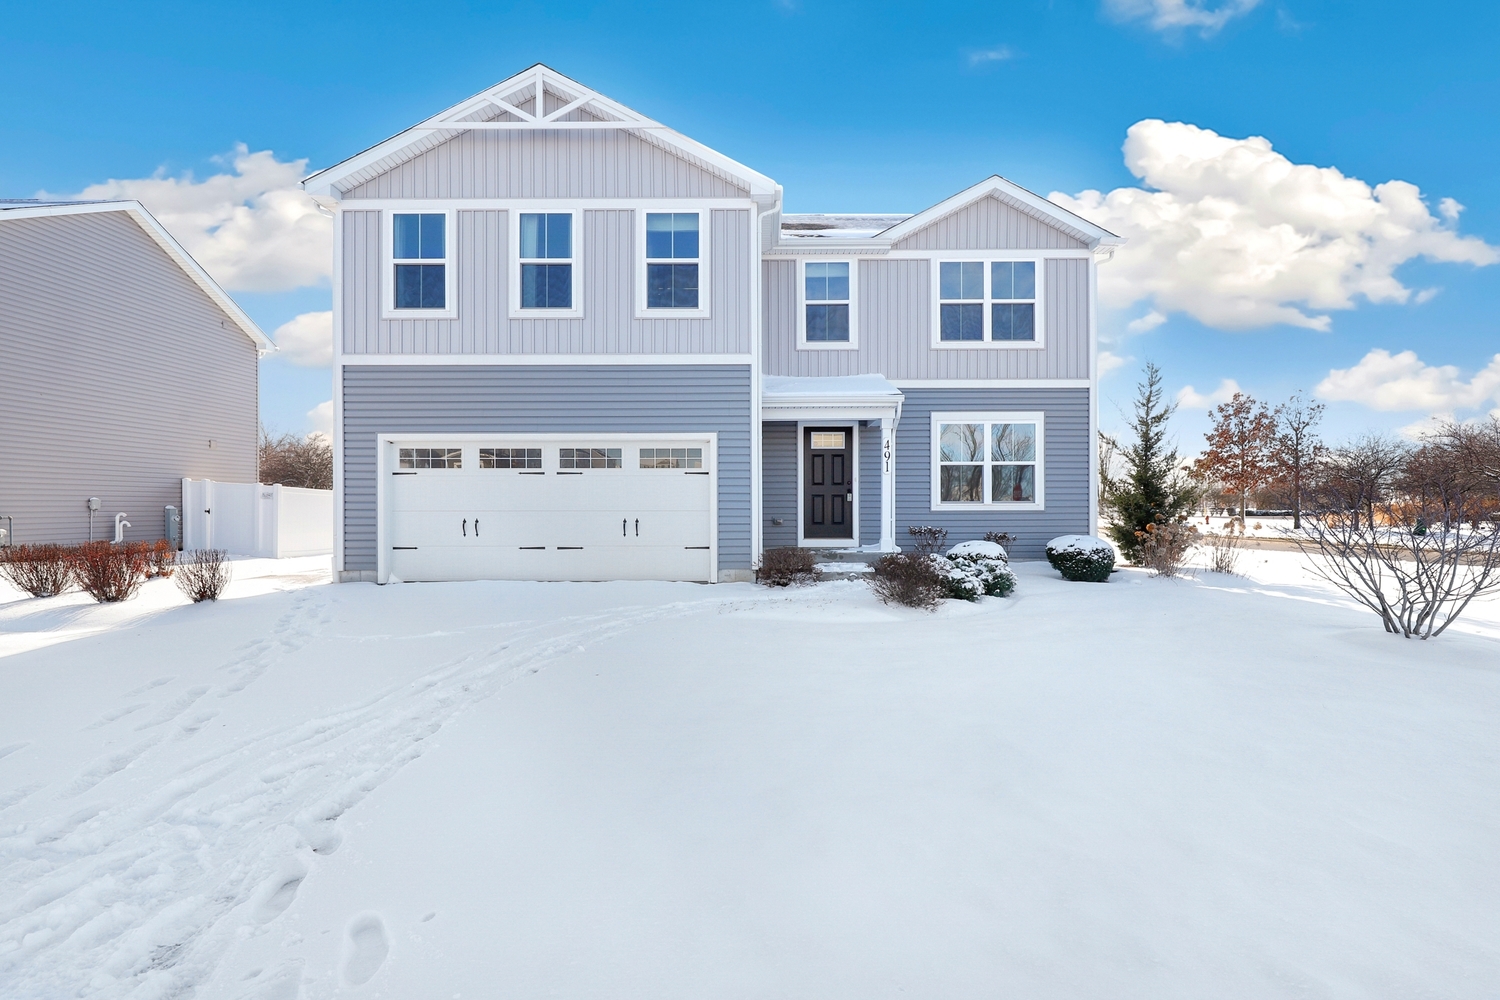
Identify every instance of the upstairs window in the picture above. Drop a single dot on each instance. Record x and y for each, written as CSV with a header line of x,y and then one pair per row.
x,y
961,309
988,302
546,260
672,259
419,259
826,299
1013,300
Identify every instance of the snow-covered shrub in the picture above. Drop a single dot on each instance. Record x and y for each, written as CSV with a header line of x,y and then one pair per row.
x,y
203,574
1082,558
108,572
786,566
910,578
968,577
40,570
985,550
1164,546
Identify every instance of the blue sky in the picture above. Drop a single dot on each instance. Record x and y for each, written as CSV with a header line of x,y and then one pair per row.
x,y
882,108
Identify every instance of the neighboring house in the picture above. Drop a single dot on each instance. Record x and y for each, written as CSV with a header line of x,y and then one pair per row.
x,y
123,370
571,343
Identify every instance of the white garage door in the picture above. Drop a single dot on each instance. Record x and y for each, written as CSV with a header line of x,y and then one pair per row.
x,y
606,507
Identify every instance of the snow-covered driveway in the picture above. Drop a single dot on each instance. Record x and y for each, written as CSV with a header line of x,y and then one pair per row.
x,y
1143,789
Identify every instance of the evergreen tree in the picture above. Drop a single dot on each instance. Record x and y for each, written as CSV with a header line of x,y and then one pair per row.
x,y
1152,489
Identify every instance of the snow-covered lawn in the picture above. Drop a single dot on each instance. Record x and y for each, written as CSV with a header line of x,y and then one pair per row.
x,y
1212,787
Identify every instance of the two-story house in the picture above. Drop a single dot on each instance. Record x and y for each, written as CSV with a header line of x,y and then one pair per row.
x,y
573,344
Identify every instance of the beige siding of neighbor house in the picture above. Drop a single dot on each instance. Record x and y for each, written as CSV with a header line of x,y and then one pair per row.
x,y
575,163
116,371
894,324
605,287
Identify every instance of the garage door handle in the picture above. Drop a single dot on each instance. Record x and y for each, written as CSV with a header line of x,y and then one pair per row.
x,y
466,527
476,527
638,527
623,522
696,547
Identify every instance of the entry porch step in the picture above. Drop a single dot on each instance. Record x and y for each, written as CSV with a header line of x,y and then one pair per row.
x,y
863,556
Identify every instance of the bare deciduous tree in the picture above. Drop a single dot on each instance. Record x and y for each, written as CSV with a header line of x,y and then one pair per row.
x,y
293,461
1357,476
1296,450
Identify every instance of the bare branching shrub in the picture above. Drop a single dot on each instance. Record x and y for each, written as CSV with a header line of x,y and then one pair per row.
x,y
1004,539
293,461
202,574
927,539
1164,546
108,572
1224,547
40,570
787,566
161,558
909,578
1418,582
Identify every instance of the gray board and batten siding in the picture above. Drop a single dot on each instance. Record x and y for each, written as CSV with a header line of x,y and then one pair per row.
x,y
1066,470
989,224
780,455
547,163
116,371
606,289
536,399
894,323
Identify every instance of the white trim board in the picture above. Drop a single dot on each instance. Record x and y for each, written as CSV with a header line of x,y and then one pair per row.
x,y
992,383
355,360
541,205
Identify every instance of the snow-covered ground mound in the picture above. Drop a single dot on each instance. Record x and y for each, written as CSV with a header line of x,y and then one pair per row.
x,y
1219,786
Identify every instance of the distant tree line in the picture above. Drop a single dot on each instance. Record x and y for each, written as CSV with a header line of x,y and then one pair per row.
x,y
290,460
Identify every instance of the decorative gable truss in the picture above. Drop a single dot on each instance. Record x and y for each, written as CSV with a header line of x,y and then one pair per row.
x,y
538,98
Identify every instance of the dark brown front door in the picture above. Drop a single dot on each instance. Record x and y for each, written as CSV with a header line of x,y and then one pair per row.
x,y
828,482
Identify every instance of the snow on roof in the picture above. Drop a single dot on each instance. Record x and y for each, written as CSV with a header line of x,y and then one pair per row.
x,y
843,227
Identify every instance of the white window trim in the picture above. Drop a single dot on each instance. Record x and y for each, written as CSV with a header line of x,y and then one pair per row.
x,y
990,417
388,308
513,262
803,344
987,258
705,221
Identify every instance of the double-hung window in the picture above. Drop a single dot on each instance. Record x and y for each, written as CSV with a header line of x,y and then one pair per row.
x,y
547,261
993,302
987,459
421,272
827,303
673,256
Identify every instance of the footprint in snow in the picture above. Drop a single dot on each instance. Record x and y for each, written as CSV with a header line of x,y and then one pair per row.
x,y
366,949
149,686
277,894
6,751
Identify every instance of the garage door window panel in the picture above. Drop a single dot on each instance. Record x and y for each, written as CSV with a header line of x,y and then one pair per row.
x,y
430,458
590,458
510,458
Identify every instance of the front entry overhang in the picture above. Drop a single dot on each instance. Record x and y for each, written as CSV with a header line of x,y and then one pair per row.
x,y
829,399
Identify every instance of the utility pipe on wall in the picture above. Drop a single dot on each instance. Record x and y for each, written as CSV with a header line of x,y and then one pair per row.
x,y
120,525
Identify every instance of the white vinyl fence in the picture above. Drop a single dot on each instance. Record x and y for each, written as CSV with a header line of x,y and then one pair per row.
x,y
249,519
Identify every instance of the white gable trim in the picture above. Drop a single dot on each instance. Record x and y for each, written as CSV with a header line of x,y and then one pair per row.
x,y
174,250
506,114
1022,199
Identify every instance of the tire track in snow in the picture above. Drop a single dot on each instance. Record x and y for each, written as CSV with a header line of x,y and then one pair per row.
x,y
148,898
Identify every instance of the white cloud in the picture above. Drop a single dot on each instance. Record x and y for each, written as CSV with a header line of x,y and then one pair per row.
x,y
1427,295
1191,399
252,227
1172,15
320,418
1109,361
307,340
1150,321
1395,382
1419,429
1000,53
1237,236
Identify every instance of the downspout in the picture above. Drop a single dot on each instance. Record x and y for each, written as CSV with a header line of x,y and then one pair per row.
x,y
757,455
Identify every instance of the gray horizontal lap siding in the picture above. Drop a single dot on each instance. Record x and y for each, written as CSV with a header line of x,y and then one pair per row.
x,y
1066,471
436,399
894,319
606,291
116,370
989,224
778,445
559,163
